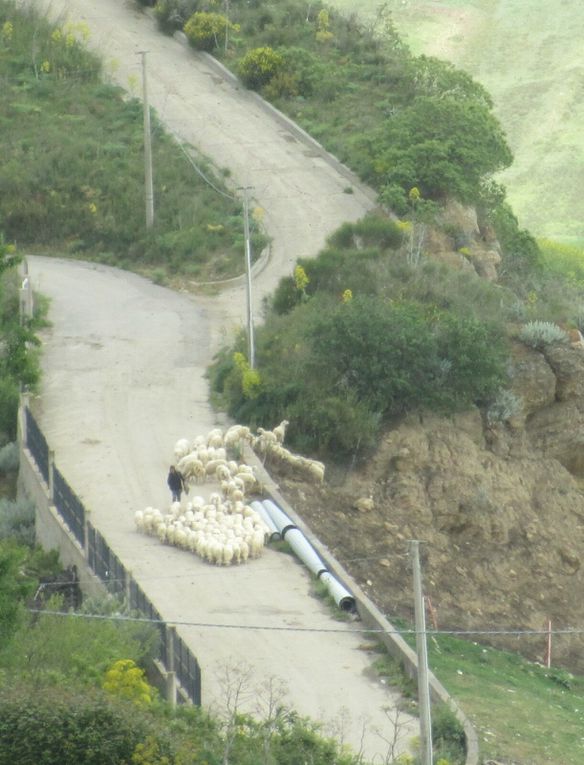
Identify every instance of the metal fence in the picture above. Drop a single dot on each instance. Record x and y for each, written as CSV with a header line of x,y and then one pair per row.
x,y
105,563
37,445
69,506
187,670
107,566
139,602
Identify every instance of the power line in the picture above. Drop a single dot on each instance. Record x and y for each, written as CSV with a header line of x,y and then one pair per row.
x,y
275,628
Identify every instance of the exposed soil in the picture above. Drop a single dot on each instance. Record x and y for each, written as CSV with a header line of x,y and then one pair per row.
x,y
502,536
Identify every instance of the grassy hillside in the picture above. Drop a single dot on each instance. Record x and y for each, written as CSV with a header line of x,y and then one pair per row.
x,y
528,55
72,170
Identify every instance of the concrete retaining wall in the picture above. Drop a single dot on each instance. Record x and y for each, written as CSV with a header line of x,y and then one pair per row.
x,y
52,533
370,615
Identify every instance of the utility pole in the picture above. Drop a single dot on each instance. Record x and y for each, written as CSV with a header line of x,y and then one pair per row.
x,y
422,651
149,187
250,337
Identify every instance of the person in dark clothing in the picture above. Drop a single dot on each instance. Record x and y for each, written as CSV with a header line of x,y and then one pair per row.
x,y
175,483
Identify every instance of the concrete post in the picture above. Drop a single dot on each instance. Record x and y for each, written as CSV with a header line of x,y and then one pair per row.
x,y
422,651
86,535
51,476
24,404
170,673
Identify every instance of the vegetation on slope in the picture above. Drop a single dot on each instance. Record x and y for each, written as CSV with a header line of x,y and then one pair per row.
x,y
18,343
529,59
74,689
398,120
72,173
360,336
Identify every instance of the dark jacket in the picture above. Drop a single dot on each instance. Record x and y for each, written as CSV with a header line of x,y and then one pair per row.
x,y
175,480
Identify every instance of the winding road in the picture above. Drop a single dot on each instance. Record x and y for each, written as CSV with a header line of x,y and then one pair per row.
x,y
124,363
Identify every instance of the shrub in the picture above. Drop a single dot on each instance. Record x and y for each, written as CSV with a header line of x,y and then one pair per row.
x,y
306,68
126,680
505,406
9,397
443,146
173,14
9,458
56,727
204,30
259,66
17,521
538,334
448,733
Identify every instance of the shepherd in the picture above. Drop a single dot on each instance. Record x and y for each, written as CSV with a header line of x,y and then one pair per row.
x,y
176,483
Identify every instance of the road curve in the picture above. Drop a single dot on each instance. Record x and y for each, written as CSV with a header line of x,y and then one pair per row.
x,y
302,194
124,364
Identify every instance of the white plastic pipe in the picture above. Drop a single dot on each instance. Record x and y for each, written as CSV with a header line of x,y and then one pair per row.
x,y
279,517
274,532
304,551
340,594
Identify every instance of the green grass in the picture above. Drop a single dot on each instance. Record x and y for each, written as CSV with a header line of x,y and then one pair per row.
x,y
84,196
523,712
528,55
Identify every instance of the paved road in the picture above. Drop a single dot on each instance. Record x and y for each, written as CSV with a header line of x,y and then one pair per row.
x,y
124,367
302,195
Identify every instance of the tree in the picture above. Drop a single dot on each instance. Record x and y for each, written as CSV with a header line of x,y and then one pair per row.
x,y
443,145
14,587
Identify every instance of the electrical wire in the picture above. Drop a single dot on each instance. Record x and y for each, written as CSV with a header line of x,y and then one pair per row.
x,y
277,628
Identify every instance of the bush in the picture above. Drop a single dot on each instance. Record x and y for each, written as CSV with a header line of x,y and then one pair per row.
x,y
205,30
371,231
173,14
9,398
17,521
448,733
259,66
56,727
443,146
505,406
538,334
9,458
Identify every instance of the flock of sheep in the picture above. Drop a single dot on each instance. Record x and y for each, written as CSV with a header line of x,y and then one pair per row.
x,y
223,529
220,532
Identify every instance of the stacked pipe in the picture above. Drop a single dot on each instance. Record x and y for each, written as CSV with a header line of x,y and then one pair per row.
x,y
304,550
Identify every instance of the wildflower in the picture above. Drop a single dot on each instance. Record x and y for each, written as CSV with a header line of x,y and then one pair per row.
x,y
132,82
56,35
258,214
92,207
83,30
46,66
414,195
347,296
532,297
300,278
7,31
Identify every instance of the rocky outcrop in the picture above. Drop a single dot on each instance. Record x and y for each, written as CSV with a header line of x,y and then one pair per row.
x,y
498,505
466,246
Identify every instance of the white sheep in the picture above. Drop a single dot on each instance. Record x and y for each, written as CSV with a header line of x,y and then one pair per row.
x,y
280,431
264,441
212,465
222,472
215,437
236,434
191,467
315,470
181,448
